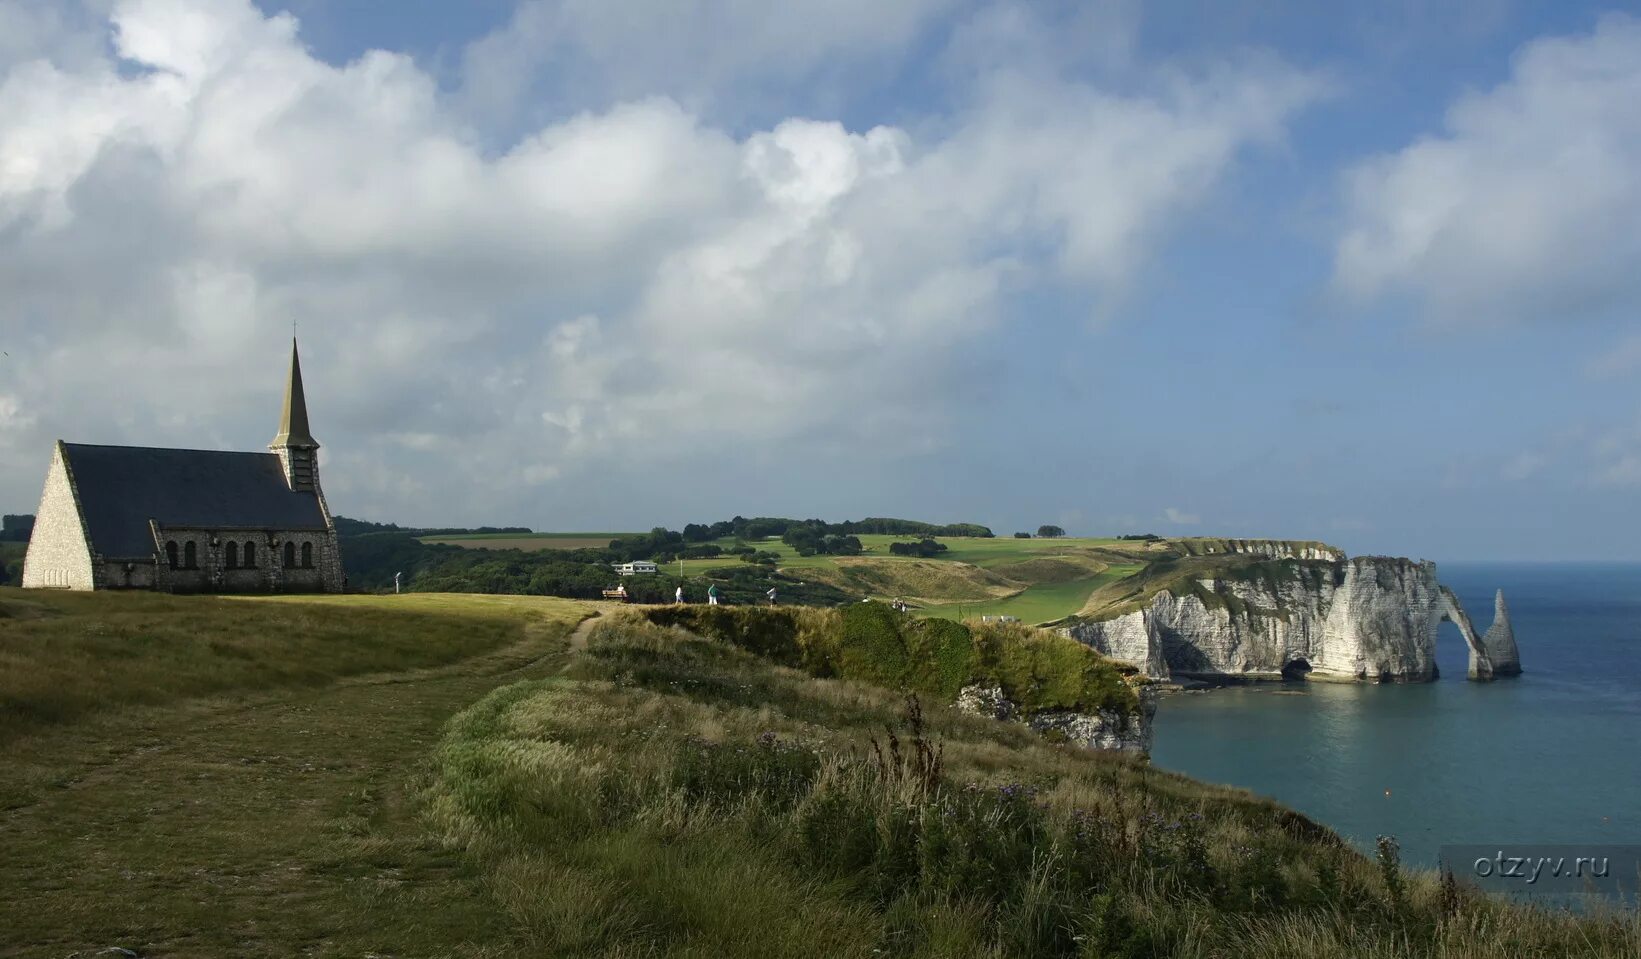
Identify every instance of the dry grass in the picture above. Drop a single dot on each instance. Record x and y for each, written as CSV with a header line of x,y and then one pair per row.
x,y
654,783
267,822
64,655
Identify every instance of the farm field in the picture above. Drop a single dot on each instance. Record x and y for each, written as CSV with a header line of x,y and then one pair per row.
x,y
1038,580
1041,603
526,541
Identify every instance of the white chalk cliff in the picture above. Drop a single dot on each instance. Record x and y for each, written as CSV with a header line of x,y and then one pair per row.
x,y
1369,618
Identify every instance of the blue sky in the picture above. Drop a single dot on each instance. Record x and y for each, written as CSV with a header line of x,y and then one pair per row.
x,y
1366,273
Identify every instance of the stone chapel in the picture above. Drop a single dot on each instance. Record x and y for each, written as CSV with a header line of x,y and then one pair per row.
x,y
136,517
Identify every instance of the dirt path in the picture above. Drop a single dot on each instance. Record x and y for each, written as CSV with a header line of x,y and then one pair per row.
x,y
280,825
578,639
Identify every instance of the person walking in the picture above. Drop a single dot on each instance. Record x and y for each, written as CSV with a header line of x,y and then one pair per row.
x,y
712,595
678,595
771,595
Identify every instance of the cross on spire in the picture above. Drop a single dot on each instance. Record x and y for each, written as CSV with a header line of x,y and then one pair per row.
x,y
293,425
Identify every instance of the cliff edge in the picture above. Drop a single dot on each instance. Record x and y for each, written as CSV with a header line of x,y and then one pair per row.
x,y
1365,618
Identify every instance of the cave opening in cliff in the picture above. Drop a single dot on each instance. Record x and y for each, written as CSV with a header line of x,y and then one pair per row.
x,y
1296,669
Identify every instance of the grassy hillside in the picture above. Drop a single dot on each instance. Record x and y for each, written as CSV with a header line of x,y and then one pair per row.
x,y
63,655
632,790
668,796
1037,580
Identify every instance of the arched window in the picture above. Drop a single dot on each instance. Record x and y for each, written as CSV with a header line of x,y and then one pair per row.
x,y
250,555
290,555
171,553
230,557
307,556
190,556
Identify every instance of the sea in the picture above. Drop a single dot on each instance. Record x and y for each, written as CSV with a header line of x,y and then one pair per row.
x,y
1550,757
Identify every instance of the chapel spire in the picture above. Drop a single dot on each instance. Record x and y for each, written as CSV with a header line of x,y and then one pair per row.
x,y
298,450
293,425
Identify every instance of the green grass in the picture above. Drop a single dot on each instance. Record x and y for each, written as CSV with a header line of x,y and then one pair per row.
x,y
1042,603
1043,579
673,797
64,655
656,795
871,642
261,822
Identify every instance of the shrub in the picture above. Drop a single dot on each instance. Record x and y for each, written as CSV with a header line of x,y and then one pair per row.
x,y
1040,670
770,633
924,547
941,655
870,646
873,643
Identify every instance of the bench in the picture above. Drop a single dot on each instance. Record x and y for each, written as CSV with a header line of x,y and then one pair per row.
x,y
620,594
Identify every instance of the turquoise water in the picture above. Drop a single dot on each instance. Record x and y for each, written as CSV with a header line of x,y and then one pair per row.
x,y
1553,756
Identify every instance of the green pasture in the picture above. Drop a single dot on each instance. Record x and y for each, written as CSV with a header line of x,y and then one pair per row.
x,y
1039,603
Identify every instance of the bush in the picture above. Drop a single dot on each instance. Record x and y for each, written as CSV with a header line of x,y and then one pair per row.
x,y
1042,671
870,647
873,643
1022,535
923,547
770,633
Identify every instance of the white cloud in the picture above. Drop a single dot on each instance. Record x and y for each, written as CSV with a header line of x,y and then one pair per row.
x,y
1179,517
618,286
1525,206
558,54
1522,466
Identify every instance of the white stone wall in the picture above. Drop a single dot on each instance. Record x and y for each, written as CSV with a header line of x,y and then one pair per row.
x,y
58,557
270,573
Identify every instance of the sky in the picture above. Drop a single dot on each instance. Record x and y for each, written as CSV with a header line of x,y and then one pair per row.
x,y
1362,272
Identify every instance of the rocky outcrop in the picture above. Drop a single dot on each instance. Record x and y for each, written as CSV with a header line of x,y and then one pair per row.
x,y
1100,729
1265,548
1481,666
1368,618
1501,640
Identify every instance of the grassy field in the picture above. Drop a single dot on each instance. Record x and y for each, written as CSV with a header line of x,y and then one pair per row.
x,y
672,797
622,791
63,655
1039,580
1041,603
527,541
275,815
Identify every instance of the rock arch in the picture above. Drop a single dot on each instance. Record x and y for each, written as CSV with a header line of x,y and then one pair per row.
x,y
1452,611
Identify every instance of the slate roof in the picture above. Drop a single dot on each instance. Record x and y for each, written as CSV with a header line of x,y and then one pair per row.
x,y
122,487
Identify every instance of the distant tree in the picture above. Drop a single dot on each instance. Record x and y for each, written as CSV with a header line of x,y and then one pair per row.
x,y
696,533
1050,532
16,527
923,547
1022,536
